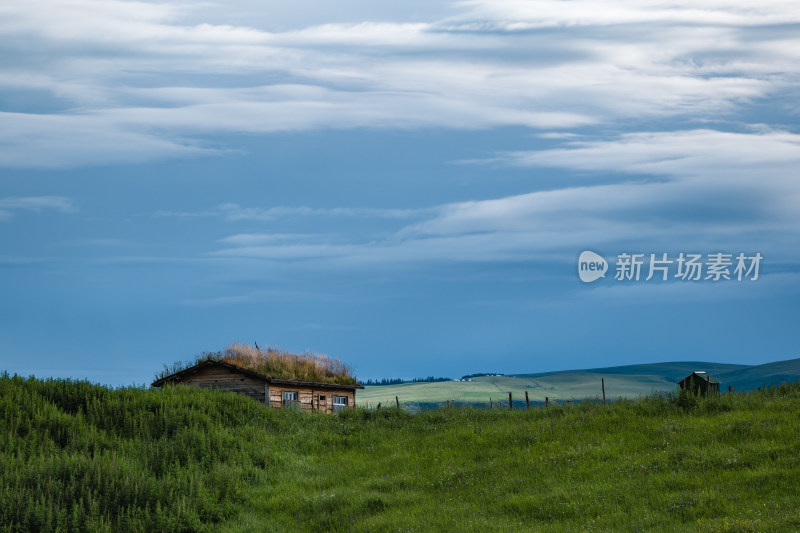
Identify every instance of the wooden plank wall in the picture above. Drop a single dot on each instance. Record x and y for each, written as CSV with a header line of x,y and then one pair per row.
x,y
223,379
220,378
307,395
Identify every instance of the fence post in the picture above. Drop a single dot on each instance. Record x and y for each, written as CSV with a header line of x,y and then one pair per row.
x,y
490,402
510,405
527,401
603,384
397,401
546,401
379,407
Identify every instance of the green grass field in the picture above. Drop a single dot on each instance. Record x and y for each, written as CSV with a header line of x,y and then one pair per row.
x,y
628,381
81,457
575,385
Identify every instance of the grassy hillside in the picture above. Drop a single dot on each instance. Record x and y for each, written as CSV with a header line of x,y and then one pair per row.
x,y
672,371
82,457
757,376
564,386
621,381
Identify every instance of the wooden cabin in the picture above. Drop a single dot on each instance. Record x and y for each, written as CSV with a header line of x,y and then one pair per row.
x,y
700,382
277,393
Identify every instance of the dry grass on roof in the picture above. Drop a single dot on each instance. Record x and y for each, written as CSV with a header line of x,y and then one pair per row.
x,y
276,363
281,364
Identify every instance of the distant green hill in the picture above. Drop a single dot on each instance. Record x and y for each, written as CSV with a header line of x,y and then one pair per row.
x,y
620,381
673,370
752,377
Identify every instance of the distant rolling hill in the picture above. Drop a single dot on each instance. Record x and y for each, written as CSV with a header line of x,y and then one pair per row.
x,y
751,377
620,381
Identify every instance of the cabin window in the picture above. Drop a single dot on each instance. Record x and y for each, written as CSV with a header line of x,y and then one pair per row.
x,y
290,399
322,397
339,403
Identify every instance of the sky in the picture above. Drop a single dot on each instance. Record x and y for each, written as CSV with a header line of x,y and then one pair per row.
x,y
406,186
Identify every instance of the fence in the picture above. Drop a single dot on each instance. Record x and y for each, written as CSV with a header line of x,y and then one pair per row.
x,y
501,402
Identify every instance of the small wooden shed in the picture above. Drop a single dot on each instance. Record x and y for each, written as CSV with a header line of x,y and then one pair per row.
x,y
700,382
277,393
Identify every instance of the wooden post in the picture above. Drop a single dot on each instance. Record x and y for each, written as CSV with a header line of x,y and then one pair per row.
x,y
490,403
729,389
379,406
397,401
527,401
510,405
603,384
546,401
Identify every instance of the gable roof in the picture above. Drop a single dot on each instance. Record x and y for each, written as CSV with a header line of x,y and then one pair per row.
x,y
700,375
202,364
177,376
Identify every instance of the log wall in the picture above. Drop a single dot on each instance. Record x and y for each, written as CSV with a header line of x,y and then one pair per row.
x,y
220,378
310,398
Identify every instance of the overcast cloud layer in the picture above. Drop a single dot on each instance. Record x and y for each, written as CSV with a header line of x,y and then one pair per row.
x,y
111,81
642,125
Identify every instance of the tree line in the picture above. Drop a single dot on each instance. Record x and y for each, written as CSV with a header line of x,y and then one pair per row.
x,y
400,381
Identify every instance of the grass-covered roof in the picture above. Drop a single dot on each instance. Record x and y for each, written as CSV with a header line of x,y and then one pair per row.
x,y
274,363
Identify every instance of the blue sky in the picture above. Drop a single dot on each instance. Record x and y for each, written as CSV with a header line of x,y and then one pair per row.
x,y
406,186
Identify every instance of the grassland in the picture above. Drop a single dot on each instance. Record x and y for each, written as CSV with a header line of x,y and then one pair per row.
x,y
628,381
81,457
574,385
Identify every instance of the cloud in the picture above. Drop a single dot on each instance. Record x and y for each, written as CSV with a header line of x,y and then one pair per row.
x,y
772,285
747,174
250,239
718,191
675,153
236,212
516,15
36,204
70,140
732,185
124,81
232,211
